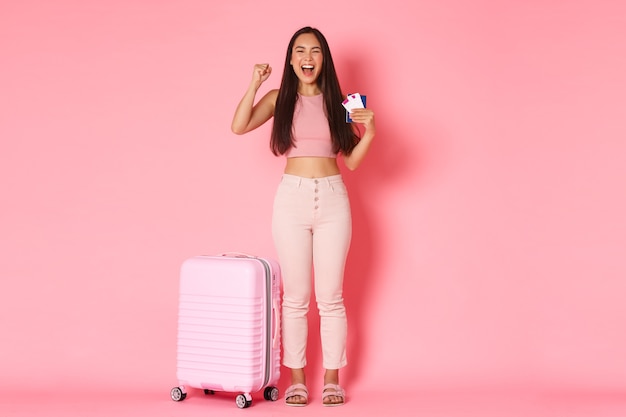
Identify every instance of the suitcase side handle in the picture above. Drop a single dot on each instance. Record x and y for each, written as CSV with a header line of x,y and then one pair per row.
x,y
276,311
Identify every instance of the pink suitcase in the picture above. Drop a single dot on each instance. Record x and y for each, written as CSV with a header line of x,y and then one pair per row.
x,y
229,327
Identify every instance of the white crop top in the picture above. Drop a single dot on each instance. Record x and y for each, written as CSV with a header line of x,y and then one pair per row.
x,y
311,132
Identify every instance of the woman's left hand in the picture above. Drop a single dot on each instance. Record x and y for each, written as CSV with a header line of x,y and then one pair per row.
x,y
365,117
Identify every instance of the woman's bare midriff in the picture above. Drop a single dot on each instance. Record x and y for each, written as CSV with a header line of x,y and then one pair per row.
x,y
312,167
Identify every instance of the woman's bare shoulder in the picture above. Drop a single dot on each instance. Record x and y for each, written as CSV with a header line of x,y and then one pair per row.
x,y
269,98
272,94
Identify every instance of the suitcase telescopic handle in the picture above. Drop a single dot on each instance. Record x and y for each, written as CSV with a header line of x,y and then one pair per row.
x,y
276,308
238,255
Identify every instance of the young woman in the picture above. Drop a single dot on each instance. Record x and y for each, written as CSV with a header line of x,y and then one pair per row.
x,y
311,222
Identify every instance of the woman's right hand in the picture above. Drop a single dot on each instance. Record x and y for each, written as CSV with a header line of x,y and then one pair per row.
x,y
248,116
261,73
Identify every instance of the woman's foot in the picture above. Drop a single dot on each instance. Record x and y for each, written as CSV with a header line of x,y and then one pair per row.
x,y
332,394
297,394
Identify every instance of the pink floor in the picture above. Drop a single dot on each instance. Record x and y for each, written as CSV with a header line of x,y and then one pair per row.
x,y
68,402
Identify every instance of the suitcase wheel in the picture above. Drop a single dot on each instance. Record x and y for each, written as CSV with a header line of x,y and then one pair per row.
x,y
270,394
177,394
243,401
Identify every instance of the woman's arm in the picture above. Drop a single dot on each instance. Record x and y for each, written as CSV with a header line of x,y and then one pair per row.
x,y
249,116
365,117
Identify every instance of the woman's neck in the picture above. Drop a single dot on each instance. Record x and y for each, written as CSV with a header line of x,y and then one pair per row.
x,y
309,90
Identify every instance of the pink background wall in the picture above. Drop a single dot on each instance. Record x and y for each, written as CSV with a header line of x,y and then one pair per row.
x,y
490,239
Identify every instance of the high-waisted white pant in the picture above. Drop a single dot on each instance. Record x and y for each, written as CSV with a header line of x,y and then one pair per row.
x,y
312,227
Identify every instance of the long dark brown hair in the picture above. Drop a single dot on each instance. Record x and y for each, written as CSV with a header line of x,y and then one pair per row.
x,y
343,135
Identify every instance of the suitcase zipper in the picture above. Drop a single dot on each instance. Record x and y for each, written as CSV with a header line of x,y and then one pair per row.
x,y
269,307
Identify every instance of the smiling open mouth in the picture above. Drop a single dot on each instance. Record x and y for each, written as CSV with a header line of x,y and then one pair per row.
x,y
307,69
